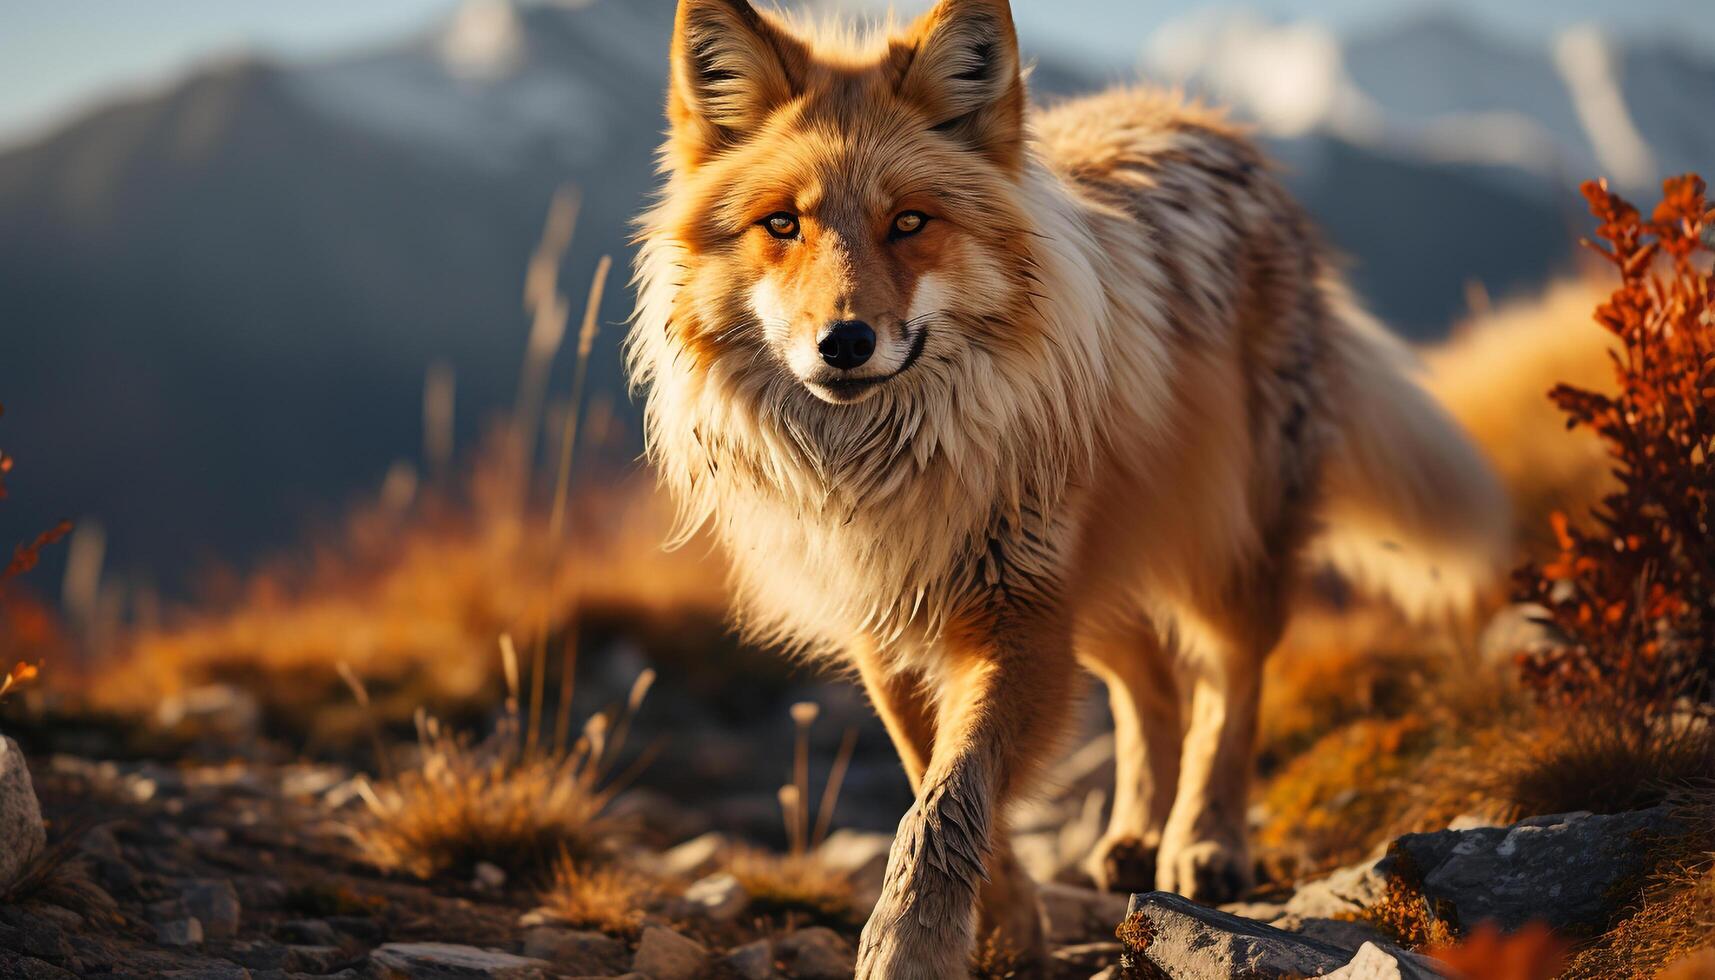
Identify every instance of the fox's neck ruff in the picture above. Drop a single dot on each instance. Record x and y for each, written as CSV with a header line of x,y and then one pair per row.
x,y
902,508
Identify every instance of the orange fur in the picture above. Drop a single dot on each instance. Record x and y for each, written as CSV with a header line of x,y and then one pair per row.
x,y
1114,394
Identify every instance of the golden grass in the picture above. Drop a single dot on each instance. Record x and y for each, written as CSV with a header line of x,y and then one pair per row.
x,y
611,898
795,888
511,800
1558,761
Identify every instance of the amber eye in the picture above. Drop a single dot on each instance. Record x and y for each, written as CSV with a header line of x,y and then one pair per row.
x,y
909,223
781,225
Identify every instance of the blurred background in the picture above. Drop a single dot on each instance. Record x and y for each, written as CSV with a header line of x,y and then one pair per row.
x,y
236,238
290,300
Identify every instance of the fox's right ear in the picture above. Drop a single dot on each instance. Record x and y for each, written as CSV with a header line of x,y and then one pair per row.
x,y
731,68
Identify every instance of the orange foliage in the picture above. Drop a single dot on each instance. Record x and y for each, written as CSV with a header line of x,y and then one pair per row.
x,y
1532,953
24,558
1634,591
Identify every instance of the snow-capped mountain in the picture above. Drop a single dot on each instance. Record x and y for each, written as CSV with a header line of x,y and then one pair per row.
x,y
1436,89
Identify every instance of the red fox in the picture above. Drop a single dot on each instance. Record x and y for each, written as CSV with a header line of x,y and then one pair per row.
x,y
973,393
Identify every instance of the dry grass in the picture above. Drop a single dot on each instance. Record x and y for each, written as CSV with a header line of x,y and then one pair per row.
x,y
611,898
1494,376
794,888
413,603
512,800
1674,921
1556,762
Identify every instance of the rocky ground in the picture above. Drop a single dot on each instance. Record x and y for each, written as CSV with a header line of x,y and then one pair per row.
x,y
245,870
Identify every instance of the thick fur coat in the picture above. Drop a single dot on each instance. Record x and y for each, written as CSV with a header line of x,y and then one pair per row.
x,y
973,393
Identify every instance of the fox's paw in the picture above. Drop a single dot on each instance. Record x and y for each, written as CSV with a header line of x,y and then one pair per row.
x,y
1123,864
1207,871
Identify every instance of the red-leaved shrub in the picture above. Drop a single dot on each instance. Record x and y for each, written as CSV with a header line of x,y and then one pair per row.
x,y
1632,590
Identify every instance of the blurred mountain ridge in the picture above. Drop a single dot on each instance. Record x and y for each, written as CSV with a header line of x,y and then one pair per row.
x,y
220,299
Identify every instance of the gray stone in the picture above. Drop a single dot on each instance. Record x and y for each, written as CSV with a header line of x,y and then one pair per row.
x,y
694,857
215,904
665,955
816,953
1373,962
1171,937
215,971
179,932
316,959
860,857
309,932
576,952
718,898
1562,870
1089,956
20,815
1076,914
752,961
447,961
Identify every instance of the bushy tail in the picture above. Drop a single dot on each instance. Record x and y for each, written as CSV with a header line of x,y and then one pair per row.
x,y
1412,509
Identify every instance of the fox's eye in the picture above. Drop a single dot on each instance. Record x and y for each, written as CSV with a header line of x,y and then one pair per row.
x,y
781,225
909,223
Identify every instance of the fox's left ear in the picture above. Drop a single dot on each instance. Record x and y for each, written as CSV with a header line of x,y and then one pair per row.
x,y
964,72
732,67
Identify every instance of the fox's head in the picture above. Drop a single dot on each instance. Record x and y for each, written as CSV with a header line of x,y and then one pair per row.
x,y
846,213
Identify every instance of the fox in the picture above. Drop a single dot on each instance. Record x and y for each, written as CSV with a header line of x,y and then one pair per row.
x,y
975,395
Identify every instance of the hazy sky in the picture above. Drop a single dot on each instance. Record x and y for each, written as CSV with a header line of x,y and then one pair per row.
x,y
57,55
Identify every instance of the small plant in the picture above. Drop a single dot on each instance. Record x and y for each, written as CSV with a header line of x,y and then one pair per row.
x,y
797,884
24,557
1633,592
516,803
610,898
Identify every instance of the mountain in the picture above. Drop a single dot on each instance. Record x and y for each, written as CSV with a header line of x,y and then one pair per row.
x,y
218,301
1435,88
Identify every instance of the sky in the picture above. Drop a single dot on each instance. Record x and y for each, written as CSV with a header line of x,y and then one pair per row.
x,y
58,56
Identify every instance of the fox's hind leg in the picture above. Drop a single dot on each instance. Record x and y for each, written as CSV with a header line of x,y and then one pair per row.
x,y
1205,850
1144,698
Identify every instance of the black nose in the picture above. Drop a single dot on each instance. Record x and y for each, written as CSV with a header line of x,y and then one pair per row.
x,y
847,344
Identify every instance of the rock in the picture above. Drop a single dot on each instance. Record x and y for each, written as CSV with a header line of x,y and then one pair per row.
x,y
20,815
316,959
1563,870
816,953
1342,893
1375,963
1090,956
215,904
1111,973
179,932
860,857
665,955
448,961
1169,936
309,932
576,952
1077,914
488,877
214,971
30,968
36,935
718,898
692,858
752,961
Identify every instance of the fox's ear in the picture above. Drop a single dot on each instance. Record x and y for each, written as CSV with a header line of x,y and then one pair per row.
x,y
731,68
964,72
